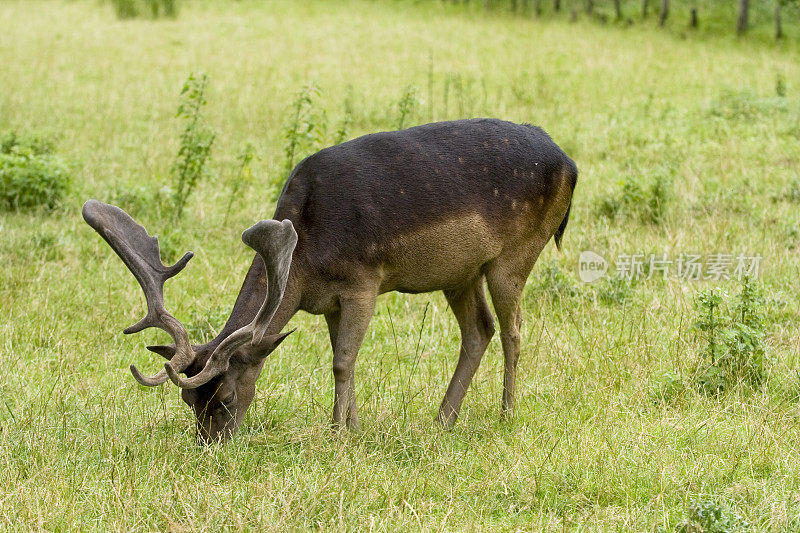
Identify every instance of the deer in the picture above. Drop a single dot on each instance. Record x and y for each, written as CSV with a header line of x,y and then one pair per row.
x,y
447,206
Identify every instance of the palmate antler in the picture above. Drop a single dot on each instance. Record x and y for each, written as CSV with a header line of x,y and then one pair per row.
x,y
273,240
140,253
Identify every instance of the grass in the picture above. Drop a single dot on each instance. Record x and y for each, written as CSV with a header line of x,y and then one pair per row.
x,y
606,437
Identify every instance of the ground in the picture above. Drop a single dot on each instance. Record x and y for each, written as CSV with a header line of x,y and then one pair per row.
x,y
611,433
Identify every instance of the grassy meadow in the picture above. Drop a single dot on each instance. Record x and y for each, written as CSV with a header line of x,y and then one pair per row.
x,y
685,145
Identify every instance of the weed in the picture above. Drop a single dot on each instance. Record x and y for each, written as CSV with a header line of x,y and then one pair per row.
x,y
196,140
243,176
126,9
205,325
666,388
792,236
343,131
708,516
613,290
32,144
141,199
780,85
306,128
793,192
30,175
733,350
406,105
553,283
649,199
744,105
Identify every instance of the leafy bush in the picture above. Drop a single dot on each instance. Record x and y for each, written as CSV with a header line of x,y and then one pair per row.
x,y
666,388
733,339
343,131
30,175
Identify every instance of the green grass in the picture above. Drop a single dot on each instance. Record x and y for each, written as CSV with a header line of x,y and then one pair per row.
x,y
610,434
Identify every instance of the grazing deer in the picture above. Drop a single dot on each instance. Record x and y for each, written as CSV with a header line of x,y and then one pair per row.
x,y
443,206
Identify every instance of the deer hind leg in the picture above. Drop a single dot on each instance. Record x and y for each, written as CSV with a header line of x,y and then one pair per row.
x,y
347,328
477,327
506,290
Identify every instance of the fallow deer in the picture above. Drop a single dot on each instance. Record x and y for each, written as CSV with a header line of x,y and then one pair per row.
x,y
444,206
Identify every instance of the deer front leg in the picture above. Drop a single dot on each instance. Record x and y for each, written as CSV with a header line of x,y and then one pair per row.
x,y
347,328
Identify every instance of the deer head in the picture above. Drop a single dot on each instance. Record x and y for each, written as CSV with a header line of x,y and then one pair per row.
x,y
220,376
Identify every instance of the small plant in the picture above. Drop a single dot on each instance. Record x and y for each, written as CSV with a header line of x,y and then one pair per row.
x,y
243,176
205,325
711,517
30,175
306,127
614,290
197,138
793,194
553,283
780,85
144,198
406,105
126,9
343,131
648,200
666,388
744,105
733,350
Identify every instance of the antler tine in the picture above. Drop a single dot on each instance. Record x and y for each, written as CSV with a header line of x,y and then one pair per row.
x,y
140,253
274,241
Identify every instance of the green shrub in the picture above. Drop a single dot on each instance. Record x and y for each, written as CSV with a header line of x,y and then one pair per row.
x,y
666,388
744,105
243,176
30,175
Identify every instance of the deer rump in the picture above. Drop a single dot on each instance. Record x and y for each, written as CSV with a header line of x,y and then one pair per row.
x,y
446,206
425,198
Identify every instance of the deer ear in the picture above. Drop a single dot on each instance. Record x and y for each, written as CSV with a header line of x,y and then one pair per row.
x,y
255,353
